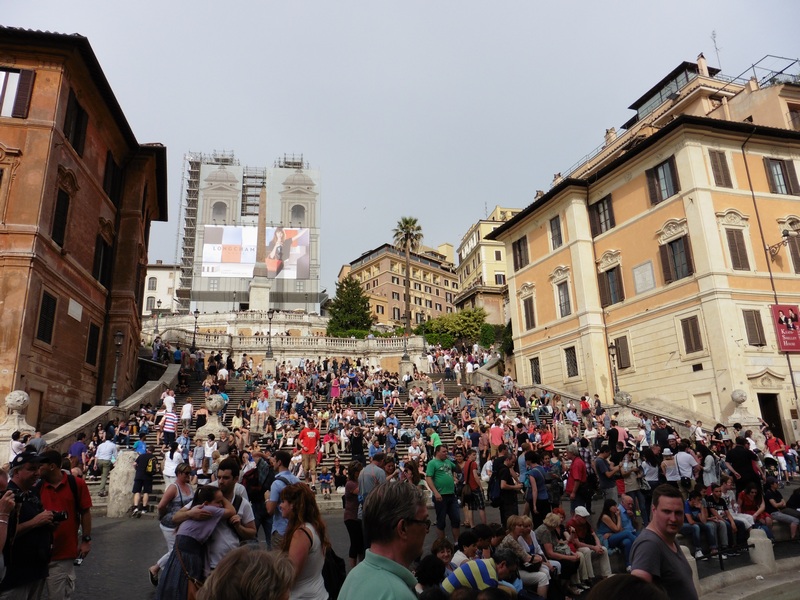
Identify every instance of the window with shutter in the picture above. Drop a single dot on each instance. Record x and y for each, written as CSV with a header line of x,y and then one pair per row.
x,y
601,216
47,318
112,180
92,344
519,249
611,287
754,328
662,181
75,122
563,299
736,247
623,352
101,269
719,168
676,259
555,232
58,231
781,176
530,321
691,335
16,88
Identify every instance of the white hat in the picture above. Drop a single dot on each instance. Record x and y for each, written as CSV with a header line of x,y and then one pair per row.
x,y
666,452
582,512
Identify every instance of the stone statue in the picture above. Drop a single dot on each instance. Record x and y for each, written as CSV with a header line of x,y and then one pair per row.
x,y
214,404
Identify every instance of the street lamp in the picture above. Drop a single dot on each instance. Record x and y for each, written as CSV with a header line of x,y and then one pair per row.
x,y
158,312
194,334
112,399
270,314
612,352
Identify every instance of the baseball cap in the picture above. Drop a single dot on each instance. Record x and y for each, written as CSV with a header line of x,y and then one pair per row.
x,y
24,458
771,480
582,512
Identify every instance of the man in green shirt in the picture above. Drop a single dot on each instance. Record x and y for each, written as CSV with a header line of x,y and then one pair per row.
x,y
396,520
440,480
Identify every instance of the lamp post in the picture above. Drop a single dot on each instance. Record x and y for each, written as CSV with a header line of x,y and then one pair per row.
x,y
424,344
158,312
196,314
612,352
270,314
112,399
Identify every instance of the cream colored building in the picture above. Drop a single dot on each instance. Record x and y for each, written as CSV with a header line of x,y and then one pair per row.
x,y
482,268
381,272
161,283
669,243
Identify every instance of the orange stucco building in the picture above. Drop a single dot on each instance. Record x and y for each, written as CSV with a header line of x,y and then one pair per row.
x,y
77,196
671,242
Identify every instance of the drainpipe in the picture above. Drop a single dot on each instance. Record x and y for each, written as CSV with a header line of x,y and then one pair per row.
x,y
765,247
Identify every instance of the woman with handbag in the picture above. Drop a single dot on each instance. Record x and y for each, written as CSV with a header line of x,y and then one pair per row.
x,y
305,542
176,496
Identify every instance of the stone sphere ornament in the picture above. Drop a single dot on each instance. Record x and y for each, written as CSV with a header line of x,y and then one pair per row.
x,y
17,401
215,403
623,398
739,397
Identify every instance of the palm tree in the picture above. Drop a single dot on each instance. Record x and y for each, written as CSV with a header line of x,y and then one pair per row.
x,y
408,238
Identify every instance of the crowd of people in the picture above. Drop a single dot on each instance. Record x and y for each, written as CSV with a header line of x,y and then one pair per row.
x,y
263,475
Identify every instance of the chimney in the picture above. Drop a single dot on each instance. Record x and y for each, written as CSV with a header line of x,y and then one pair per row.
x,y
611,135
702,65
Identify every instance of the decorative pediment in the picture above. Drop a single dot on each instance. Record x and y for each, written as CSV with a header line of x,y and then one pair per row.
x,y
559,274
732,218
766,379
6,152
67,180
526,289
609,260
789,222
672,229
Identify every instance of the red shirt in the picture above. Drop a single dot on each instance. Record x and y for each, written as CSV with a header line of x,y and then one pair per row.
x,y
309,438
496,435
65,535
547,440
577,472
775,446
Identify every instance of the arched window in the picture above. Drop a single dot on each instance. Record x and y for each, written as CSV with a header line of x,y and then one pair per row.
x,y
298,216
151,302
152,284
219,212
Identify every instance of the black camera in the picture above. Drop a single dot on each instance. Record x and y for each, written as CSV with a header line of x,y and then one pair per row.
x,y
59,516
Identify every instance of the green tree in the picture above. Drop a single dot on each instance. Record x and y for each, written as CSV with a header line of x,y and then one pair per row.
x,y
349,309
407,238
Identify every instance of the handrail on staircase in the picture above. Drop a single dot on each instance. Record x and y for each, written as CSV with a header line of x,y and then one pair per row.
x,y
61,437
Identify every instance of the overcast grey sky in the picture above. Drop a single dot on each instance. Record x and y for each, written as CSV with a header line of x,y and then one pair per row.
x,y
438,110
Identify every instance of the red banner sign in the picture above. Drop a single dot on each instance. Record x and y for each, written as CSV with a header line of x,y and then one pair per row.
x,y
786,319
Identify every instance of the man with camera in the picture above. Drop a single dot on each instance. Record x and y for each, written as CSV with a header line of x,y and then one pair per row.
x,y
30,533
68,498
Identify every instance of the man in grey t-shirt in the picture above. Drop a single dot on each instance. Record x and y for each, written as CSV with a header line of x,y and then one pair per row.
x,y
655,557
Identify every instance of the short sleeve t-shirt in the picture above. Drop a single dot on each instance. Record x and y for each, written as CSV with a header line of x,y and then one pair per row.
x,y
773,495
602,467
670,569
308,440
441,471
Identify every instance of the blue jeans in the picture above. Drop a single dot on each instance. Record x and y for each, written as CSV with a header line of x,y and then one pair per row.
x,y
694,531
623,540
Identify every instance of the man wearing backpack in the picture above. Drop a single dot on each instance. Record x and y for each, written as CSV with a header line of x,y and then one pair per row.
x,y
62,492
146,466
283,477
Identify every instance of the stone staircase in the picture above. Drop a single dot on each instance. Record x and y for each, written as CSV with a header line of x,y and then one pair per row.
x,y
236,392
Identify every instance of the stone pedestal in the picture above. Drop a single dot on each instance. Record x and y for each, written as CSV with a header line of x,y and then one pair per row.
x,y
745,417
121,477
214,404
687,553
406,366
260,288
762,554
16,403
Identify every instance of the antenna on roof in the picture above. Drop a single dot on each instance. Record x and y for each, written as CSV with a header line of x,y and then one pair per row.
x,y
716,48
486,210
